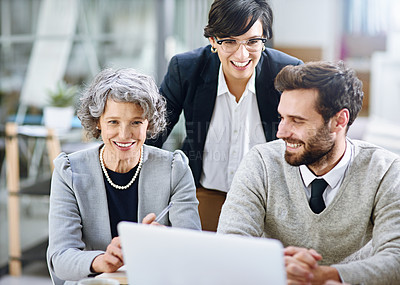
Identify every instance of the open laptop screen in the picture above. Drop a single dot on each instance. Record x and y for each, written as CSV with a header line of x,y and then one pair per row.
x,y
162,255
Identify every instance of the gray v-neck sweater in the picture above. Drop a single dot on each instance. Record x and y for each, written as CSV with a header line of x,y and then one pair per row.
x,y
358,233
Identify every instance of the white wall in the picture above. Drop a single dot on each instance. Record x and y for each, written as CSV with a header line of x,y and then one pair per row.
x,y
308,23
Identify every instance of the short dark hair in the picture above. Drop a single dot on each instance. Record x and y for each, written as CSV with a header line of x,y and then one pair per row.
x,y
337,85
235,17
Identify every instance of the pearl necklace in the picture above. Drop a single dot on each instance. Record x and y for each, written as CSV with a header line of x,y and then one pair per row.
x,y
108,177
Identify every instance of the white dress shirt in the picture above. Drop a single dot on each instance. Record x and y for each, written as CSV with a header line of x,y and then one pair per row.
x,y
334,177
235,128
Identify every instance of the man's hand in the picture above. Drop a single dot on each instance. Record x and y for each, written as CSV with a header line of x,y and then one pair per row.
x,y
111,260
300,263
302,267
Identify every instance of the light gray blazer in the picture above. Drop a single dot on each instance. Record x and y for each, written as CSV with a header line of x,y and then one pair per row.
x,y
79,226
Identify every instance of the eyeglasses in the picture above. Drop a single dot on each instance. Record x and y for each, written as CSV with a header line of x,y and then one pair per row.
x,y
231,45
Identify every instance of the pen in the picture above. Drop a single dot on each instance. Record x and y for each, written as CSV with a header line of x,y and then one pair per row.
x,y
163,212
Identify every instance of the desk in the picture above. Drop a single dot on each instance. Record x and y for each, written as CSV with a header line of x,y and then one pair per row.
x,y
119,275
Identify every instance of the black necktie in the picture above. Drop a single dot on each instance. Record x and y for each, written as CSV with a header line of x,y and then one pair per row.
x,y
316,201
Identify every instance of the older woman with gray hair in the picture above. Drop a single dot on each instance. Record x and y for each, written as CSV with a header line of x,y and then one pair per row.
x,y
121,180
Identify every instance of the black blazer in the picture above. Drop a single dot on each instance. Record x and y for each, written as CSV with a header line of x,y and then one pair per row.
x,y
191,84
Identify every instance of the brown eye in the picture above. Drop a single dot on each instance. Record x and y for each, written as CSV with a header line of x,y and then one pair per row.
x,y
229,42
253,42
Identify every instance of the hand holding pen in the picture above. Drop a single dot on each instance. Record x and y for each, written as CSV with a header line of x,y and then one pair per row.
x,y
151,218
163,212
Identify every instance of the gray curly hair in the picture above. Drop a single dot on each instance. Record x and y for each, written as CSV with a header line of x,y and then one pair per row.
x,y
122,85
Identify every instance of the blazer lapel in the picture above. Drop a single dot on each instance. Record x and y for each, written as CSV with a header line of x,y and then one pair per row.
x,y
266,99
141,189
204,99
89,177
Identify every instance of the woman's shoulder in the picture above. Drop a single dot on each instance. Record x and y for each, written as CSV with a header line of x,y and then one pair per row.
x,y
80,157
154,154
195,59
279,59
196,54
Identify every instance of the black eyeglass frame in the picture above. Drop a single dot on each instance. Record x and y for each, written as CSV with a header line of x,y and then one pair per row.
x,y
264,40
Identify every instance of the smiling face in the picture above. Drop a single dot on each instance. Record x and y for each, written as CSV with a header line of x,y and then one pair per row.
x,y
123,130
240,65
308,138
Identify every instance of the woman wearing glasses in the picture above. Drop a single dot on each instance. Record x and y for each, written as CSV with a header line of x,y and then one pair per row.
x,y
227,93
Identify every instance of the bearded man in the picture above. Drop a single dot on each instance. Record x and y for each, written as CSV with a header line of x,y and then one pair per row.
x,y
333,202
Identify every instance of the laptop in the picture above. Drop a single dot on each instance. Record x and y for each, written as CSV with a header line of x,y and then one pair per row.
x,y
156,255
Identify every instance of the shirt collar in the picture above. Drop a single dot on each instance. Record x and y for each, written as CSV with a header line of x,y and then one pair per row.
x,y
334,176
251,85
223,87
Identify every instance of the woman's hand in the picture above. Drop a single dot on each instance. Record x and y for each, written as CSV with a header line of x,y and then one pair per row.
x,y
332,282
150,220
111,260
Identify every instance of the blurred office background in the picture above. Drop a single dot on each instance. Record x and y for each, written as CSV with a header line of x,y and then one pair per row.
x,y
45,41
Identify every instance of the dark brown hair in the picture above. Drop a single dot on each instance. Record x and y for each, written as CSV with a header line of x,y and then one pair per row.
x,y
235,17
338,86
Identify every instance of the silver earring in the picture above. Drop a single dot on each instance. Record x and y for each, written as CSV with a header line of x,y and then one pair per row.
x,y
213,49
263,48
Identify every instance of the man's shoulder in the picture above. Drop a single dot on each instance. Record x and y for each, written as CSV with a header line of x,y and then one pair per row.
x,y
369,150
374,159
271,149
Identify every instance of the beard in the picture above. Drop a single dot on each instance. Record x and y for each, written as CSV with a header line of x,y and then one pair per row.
x,y
317,149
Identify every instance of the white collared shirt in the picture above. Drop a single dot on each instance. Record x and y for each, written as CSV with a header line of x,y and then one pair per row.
x,y
235,128
334,178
